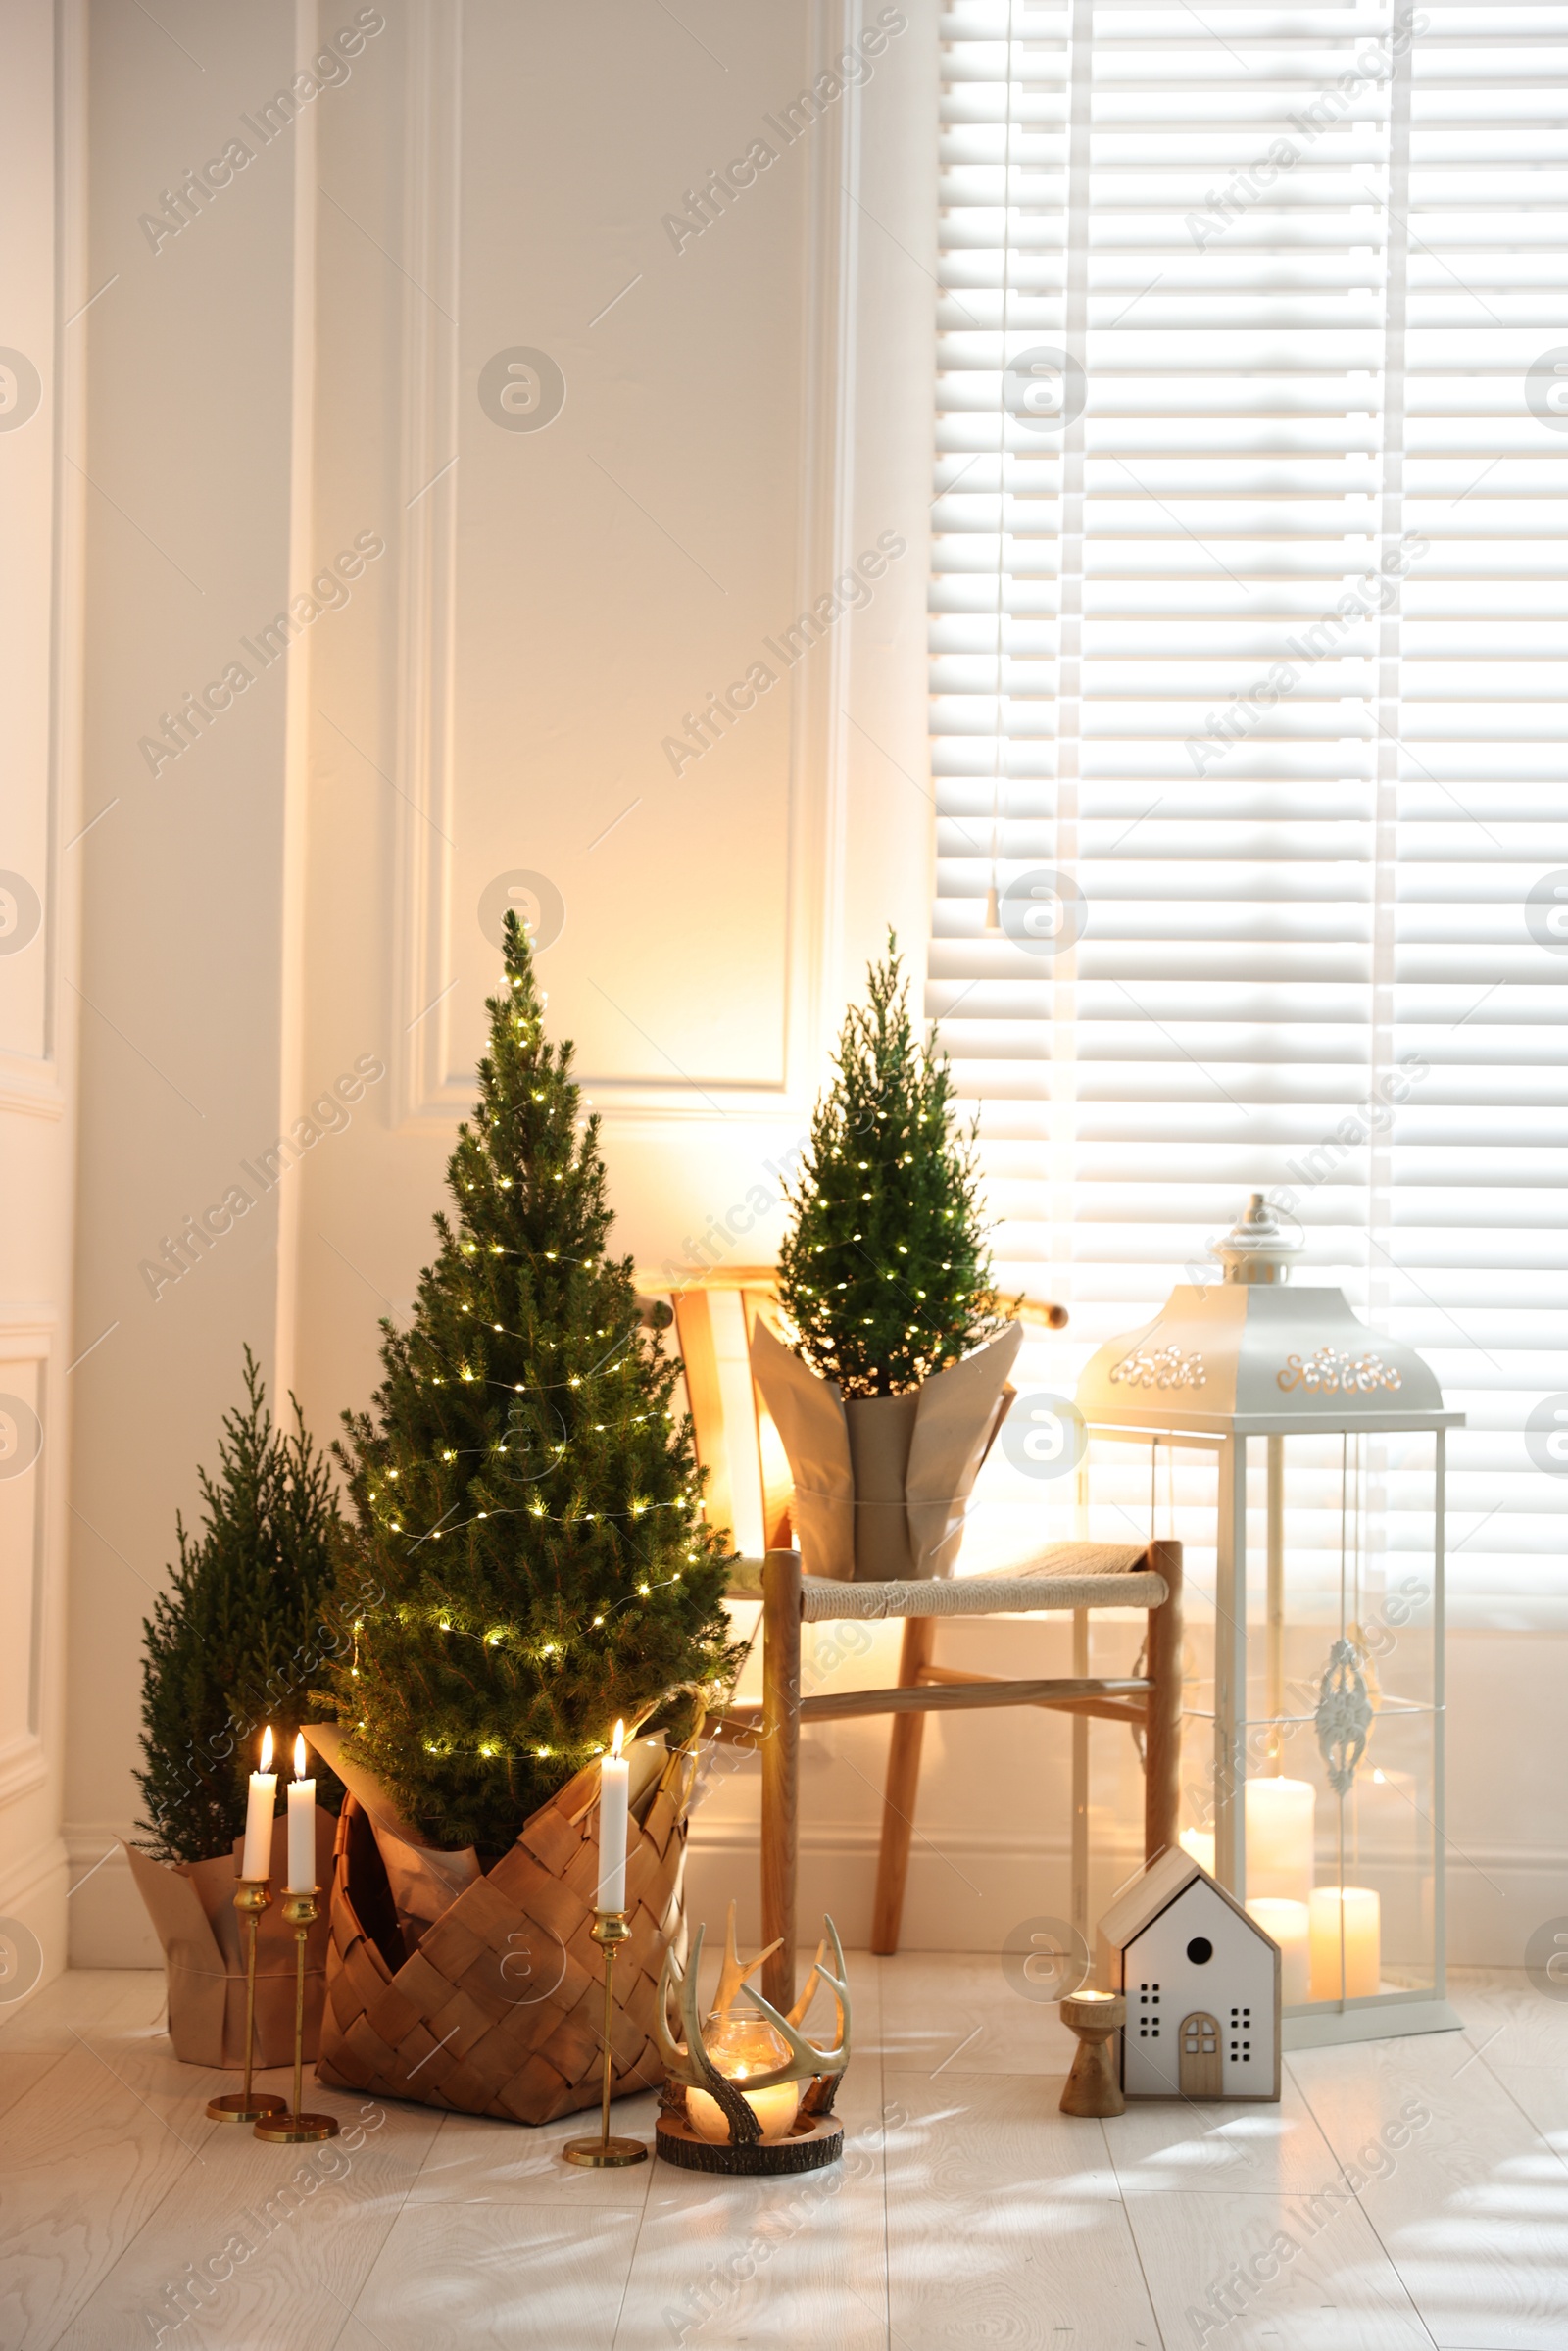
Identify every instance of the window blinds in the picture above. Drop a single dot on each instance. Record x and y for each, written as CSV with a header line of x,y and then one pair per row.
x,y
1248,601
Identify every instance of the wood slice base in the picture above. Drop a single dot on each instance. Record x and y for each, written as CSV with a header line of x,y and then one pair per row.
x,y
808,2146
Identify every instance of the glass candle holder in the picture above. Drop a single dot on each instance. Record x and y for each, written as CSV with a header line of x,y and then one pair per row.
x,y
742,2046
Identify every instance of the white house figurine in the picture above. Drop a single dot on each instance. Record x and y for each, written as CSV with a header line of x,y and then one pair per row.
x,y
1201,1981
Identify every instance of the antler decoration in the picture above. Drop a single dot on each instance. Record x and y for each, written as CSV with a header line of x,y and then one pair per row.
x,y
689,2063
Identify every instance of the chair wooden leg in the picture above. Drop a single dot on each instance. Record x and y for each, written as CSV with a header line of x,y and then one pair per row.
x,y
781,1756
1162,1733
903,1783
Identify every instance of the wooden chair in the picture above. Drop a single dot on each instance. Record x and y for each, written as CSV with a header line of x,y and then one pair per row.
x,y
1075,1577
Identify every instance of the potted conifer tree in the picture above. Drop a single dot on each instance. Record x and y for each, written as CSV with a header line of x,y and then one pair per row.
x,y
234,1643
529,1513
896,1379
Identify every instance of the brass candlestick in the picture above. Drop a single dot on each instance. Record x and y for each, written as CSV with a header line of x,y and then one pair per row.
x,y
609,1928
1097,2017
290,2129
251,1897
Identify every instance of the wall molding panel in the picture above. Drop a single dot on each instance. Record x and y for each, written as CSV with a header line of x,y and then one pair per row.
x,y
426,615
45,210
432,1087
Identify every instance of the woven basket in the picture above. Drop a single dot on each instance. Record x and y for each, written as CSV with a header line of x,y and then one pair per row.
x,y
498,2009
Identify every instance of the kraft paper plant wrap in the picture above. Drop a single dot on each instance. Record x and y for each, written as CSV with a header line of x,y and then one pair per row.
x,y
422,1878
882,1484
191,1905
494,2007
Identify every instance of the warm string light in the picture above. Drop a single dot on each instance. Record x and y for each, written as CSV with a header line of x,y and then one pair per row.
x,y
634,1509
587,1518
492,1748
497,1636
636,1420
607,1364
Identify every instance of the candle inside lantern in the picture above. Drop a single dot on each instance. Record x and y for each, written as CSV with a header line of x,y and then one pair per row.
x,y
1198,1846
301,1826
1280,1824
742,2046
1362,1945
613,1798
260,1802
1287,1923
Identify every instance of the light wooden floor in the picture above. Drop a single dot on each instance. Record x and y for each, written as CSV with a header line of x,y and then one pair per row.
x,y
969,2210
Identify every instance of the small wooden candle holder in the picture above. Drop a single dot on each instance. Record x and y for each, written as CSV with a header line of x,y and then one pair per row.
x,y
1097,2017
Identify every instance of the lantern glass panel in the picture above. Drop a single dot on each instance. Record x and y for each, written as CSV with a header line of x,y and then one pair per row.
x,y
1341,1698
1337,1702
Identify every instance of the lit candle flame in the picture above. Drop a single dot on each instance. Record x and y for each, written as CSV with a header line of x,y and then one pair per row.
x,y
267,1748
299,1755
620,1733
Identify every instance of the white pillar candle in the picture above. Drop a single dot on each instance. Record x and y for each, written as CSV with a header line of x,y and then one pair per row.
x,y
1198,1846
301,1826
612,1792
1280,1826
1287,1923
260,1802
773,2108
1357,1906
742,2047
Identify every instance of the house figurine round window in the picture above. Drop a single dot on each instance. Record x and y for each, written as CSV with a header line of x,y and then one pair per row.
x,y
1298,1455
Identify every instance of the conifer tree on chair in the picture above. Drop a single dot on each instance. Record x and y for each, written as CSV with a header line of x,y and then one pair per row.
x,y
885,1271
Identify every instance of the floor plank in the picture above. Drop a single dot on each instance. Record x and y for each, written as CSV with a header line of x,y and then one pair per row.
x,y
1270,2273
1511,2017
1540,2093
476,2160
86,2156
259,2244
515,2276
90,2000
734,2262
1033,2265
789,2261
968,2135
20,2068
1466,2195
960,2012
1171,2144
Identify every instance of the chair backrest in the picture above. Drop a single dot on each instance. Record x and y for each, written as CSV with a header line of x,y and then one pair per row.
x,y
749,1487
715,1310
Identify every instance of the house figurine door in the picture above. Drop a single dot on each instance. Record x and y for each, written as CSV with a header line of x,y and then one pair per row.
x,y
1200,2070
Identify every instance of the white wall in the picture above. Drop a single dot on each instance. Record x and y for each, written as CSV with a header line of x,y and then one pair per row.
x,y
299,366
302,365
190,451
42,228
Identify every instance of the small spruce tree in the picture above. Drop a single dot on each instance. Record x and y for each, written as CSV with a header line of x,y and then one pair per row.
x,y
526,1504
885,1271
242,1632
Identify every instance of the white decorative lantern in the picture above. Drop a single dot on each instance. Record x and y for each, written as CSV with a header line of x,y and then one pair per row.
x,y
1312,1747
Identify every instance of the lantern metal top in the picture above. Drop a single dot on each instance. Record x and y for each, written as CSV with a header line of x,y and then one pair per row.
x,y
1256,1249
1248,1356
